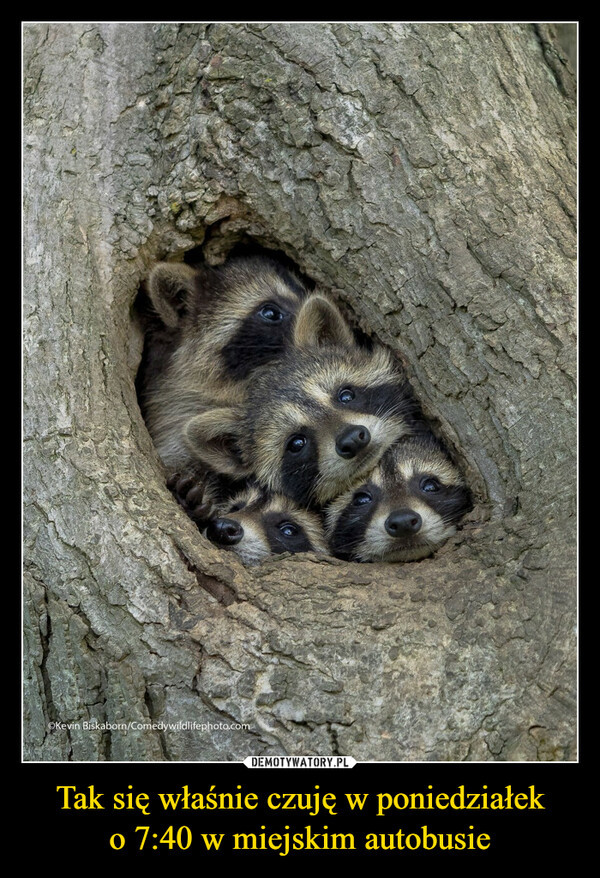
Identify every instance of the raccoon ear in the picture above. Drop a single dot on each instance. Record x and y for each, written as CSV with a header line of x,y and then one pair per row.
x,y
319,323
171,286
211,436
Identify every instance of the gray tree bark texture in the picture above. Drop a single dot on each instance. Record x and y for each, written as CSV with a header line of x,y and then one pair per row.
x,y
424,174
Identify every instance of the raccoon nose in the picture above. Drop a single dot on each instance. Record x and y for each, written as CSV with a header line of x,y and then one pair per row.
x,y
224,531
351,440
403,523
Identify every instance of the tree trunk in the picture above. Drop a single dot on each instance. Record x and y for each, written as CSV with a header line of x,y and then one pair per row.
x,y
425,175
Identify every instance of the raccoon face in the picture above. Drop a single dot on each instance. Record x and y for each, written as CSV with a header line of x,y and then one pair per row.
x,y
255,525
323,418
257,312
406,509
221,324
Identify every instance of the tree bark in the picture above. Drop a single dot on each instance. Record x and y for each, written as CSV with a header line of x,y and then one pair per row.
x,y
425,175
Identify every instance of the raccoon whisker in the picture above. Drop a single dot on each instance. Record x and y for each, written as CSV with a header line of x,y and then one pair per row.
x,y
313,493
318,483
300,469
386,413
297,473
397,408
388,408
354,541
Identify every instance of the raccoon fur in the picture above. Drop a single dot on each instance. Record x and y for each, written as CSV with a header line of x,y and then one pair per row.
x,y
404,510
255,525
319,417
201,492
207,330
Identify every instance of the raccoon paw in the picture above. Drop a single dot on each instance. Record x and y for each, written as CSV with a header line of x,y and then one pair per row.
x,y
193,494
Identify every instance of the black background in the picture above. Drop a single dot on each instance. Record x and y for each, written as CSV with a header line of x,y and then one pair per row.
x,y
520,837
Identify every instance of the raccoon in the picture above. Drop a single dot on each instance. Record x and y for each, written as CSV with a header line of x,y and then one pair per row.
x,y
206,333
255,524
404,510
319,417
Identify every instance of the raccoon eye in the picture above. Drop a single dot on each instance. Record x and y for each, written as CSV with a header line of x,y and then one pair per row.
x,y
429,485
295,443
271,313
288,529
346,395
237,507
362,497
